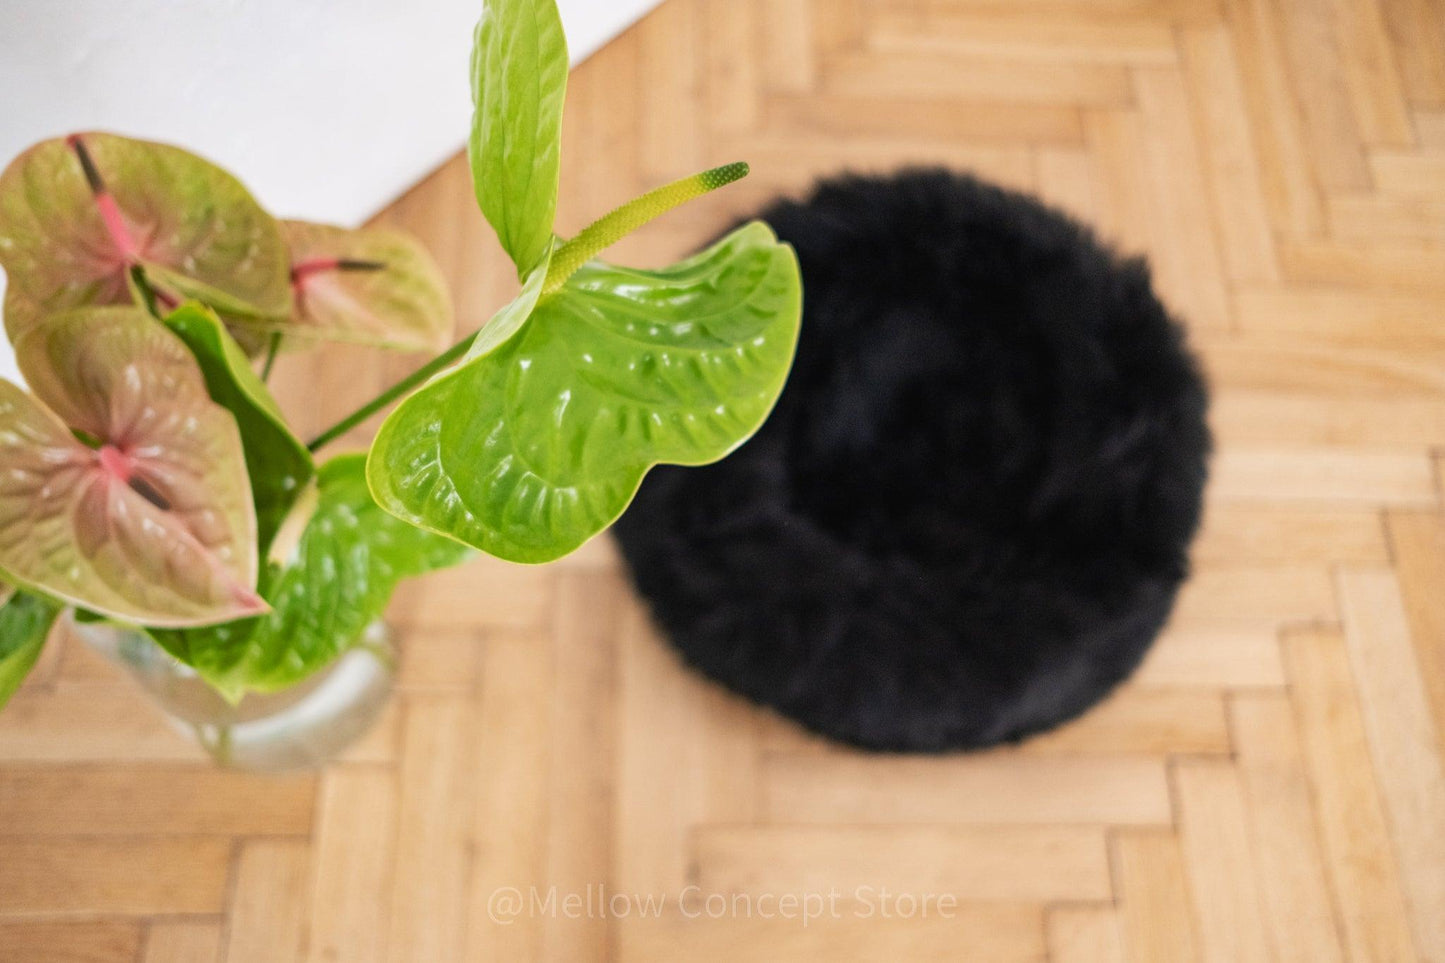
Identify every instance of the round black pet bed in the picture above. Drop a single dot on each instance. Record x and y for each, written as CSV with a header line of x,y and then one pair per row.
x,y
970,513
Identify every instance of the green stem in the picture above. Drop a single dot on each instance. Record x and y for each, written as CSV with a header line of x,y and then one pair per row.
x,y
147,293
271,351
440,362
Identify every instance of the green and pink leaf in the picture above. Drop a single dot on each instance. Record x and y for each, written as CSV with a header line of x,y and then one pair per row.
x,y
78,213
153,523
374,286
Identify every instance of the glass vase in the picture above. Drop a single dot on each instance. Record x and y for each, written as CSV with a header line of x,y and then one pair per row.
x,y
302,727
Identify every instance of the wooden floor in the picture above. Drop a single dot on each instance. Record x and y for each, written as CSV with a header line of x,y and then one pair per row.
x,y
1269,787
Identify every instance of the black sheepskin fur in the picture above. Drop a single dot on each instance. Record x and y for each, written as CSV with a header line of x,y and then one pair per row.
x,y
969,516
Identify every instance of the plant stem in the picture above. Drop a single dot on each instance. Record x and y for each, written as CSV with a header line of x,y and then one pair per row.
x,y
147,293
440,362
271,351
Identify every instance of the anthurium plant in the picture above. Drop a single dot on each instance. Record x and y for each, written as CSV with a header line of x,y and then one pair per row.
x,y
149,478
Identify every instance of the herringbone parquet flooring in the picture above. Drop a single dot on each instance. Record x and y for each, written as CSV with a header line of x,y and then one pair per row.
x,y
1269,787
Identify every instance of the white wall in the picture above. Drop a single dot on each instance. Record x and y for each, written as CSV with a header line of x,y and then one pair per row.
x,y
326,109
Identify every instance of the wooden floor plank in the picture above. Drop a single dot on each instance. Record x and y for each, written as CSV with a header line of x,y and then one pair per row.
x,y
1154,908
1084,934
350,882
514,747
1357,845
1230,161
859,933
789,60
919,119
581,805
688,755
1368,218
1140,720
1291,871
184,941
1280,593
486,590
1219,862
1124,215
1285,166
1372,77
1095,38
110,876
1386,266
1256,418
1343,314
1066,179
1214,654
1418,543
1012,864
432,865
1323,475
85,942
1401,733
1186,258
731,34
181,801
1275,533
268,906
88,724
668,60
977,78
1318,80
1414,32
1264,362
1000,788
1406,172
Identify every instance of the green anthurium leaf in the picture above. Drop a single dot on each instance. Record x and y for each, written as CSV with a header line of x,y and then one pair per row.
x,y
336,581
25,623
519,81
510,319
531,449
154,523
374,286
276,460
77,213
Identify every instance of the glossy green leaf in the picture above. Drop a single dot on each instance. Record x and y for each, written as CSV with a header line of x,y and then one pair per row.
x,y
510,319
529,450
25,623
68,240
374,286
337,581
519,82
276,460
155,524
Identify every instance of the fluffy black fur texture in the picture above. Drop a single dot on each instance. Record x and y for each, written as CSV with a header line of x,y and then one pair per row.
x,y
970,513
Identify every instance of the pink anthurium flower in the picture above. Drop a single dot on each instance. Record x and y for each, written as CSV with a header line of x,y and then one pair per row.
x,y
149,519
373,286
78,214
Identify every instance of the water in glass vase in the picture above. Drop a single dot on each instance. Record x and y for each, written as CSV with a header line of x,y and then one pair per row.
x,y
302,727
